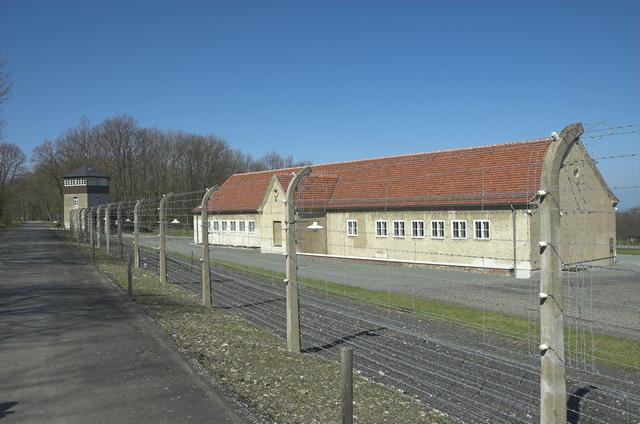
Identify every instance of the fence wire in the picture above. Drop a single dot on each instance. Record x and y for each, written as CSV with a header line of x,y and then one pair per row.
x,y
439,302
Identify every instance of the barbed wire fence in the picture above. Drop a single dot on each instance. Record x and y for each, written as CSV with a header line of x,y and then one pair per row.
x,y
385,279
601,307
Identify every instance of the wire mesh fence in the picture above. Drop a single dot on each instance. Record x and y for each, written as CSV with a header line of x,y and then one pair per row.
x,y
438,294
601,297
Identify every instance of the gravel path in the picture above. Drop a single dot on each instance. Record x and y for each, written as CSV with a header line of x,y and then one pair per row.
x,y
463,372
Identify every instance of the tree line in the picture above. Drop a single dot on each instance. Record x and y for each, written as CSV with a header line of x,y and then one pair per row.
x,y
628,226
141,162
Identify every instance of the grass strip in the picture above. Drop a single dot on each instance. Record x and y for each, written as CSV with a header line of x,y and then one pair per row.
x,y
626,251
609,350
254,364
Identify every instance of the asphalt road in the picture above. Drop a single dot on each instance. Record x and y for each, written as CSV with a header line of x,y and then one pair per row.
x,y
464,372
608,299
73,349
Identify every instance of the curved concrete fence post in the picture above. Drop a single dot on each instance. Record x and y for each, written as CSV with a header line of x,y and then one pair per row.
x,y
553,391
163,231
119,228
81,222
107,227
78,226
293,306
87,227
72,222
99,225
91,236
136,234
204,226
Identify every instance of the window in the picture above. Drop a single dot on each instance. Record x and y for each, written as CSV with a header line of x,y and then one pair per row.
x,y
224,225
459,229
381,228
481,229
437,229
252,226
216,225
352,227
232,226
417,229
398,228
76,201
241,226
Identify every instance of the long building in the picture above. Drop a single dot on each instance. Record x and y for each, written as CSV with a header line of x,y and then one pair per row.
x,y
470,208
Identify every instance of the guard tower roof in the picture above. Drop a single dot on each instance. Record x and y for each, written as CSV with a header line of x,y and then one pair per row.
x,y
86,172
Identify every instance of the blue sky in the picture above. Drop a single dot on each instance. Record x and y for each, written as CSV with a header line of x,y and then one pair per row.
x,y
331,80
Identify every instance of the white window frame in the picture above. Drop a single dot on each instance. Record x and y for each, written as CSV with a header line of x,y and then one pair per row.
x,y
251,226
216,225
352,231
75,200
414,229
224,225
233,226
453,230
380,228
482,229
242,227
397,227
438,228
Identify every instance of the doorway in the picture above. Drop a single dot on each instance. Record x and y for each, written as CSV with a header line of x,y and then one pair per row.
x,y
277,233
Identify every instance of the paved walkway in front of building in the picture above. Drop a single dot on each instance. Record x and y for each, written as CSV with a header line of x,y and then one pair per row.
x,y
73,349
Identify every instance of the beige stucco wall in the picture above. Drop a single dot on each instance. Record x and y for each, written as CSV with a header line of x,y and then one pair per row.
x,y
588,214
228,238
497,252
311,241
68,206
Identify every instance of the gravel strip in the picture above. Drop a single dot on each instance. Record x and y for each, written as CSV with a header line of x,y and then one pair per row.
x,y
253,363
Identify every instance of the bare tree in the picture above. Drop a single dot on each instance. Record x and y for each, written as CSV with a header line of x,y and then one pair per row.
x,y
12,161
141,162
628,226
5,87
273,160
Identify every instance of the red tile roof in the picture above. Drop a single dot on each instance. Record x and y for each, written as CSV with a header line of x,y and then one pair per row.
x,y
490,175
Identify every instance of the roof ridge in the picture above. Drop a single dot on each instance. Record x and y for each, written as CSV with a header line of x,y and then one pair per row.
x,y
402,155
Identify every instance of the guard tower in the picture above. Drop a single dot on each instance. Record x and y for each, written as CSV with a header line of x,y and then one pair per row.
x,y
84,188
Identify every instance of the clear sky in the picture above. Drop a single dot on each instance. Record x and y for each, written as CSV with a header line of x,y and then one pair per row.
x,y
330,80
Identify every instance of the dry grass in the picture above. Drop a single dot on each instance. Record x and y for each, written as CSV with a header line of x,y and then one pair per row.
x,y
254,364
